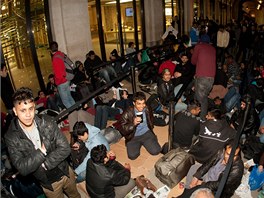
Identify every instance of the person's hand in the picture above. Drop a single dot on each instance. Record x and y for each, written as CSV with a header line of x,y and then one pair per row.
x,y
260,168
177,74
76,146
127,166
111,155
137,120
194,182
43,149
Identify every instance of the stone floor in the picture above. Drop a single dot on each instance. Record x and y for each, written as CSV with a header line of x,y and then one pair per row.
x,y
144,164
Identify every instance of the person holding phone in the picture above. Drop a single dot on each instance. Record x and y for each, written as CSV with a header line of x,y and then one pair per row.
x,y
136,125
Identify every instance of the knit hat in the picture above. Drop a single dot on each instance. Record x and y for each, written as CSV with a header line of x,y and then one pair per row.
x,y
114,53
205,38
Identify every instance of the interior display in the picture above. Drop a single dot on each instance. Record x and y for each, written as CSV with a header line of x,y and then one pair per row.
x,y
129,12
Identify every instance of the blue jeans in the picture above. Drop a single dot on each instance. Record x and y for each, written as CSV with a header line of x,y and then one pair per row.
x,y
232,99
107,73
65,94
103,112
81,177
203,86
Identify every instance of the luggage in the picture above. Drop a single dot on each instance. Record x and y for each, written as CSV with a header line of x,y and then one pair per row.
x,y
111,134
144,185
171,168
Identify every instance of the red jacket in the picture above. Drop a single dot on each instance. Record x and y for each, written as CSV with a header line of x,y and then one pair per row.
x,y
59,68
204,57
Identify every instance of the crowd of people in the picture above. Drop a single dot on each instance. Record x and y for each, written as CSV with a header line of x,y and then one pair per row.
x,y
224,75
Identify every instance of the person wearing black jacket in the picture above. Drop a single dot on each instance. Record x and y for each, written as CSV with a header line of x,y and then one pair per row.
x,y
210,173
106,177
36,146
252,121
7,89
166,88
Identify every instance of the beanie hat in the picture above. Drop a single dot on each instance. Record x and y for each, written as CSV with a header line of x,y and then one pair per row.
x,y
114,53
205,38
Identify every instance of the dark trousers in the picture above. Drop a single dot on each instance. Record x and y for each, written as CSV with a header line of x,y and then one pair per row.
x,y
148,140
103,113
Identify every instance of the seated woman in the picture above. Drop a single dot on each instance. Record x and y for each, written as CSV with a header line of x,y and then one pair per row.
x,y
114,108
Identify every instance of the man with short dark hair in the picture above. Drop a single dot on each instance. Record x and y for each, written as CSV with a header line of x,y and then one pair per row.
x,y
137,128
204,57
59,71
106,177
186,126
91,137
92,61
210,173
36,146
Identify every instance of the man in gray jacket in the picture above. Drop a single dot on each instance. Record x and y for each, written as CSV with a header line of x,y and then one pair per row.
x,y
36,146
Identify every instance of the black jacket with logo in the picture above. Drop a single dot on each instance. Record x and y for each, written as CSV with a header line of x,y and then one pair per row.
x,y
213,135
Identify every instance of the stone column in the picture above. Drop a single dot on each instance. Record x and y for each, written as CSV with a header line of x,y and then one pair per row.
x,y
188,16
70,26
153,21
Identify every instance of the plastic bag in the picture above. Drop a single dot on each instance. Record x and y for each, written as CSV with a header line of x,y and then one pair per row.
x,y
243,190
256,178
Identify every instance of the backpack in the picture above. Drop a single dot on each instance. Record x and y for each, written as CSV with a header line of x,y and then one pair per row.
x,y
171,168
160,118
69,66
154,102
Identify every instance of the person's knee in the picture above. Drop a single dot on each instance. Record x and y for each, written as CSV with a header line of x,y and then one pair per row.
x,y
155,151
133,156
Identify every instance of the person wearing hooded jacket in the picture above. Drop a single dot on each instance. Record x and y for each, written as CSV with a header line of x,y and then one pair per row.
x,y
213,135
209,175
92,137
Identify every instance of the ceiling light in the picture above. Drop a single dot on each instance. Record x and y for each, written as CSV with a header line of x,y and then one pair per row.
x,y
258,7
121,1
3,7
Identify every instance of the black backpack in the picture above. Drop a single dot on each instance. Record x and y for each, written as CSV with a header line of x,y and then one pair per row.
x,y
154,102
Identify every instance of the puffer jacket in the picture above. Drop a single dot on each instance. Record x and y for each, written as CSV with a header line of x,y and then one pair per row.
x,y
126,123
27,160
102,178
233,180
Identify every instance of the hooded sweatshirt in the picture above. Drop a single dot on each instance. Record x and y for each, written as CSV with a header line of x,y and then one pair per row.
x,y
95,138
213,135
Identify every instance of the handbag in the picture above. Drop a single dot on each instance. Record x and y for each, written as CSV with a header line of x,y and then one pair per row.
x,y
171,168
144,184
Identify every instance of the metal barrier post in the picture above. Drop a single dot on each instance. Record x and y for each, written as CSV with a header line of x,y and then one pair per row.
x,y
133,78
171,116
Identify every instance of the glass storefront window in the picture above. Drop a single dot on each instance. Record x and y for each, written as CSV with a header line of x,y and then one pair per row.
x,y
39,29
171,16
16,45
110,25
